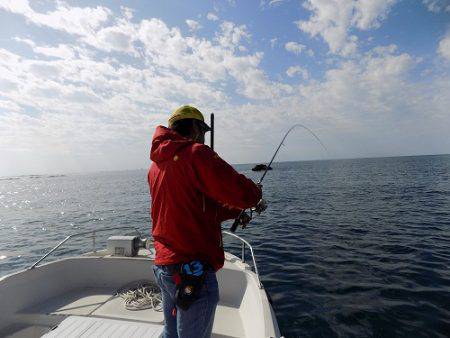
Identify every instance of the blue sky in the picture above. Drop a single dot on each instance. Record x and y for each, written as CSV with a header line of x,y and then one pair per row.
x,y
84,83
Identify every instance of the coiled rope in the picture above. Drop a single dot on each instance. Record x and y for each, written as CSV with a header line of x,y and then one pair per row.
x,y
141,296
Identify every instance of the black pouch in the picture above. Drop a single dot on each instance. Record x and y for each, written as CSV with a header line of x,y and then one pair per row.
x,y
192,278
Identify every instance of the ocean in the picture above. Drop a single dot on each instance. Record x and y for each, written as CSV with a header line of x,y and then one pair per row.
x,y
346,248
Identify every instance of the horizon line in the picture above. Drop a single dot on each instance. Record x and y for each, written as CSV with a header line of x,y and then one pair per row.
x,y
233,164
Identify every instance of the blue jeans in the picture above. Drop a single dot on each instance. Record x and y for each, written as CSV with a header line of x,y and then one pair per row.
x,y
197,321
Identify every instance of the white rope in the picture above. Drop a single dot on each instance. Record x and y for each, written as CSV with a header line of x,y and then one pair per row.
x,y
145,295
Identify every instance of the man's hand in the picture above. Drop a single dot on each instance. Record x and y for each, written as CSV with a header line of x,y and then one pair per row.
x,y
261,206
244,219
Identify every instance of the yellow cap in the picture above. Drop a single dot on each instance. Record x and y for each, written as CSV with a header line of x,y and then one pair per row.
x,y
187,112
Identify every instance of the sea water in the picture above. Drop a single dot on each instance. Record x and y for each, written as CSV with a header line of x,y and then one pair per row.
x,y
346,248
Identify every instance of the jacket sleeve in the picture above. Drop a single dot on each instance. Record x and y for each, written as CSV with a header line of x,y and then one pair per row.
x,y
218,180
226,212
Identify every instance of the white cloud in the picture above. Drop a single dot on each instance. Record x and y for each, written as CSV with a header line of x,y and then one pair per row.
x,y
127,12
231,34
333,20
370,90
212,16
444,47
271,3
61,51
164,49
437,6
25,41
193,25
8,105
370,13
86,22
273,42
293,70
109,103
7,85
384,50
119,37
294,47
169,50
73,20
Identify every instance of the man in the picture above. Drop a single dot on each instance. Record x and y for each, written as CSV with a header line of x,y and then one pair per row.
x,y
193,190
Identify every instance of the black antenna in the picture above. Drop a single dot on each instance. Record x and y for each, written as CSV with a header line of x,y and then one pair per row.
x,y
212,131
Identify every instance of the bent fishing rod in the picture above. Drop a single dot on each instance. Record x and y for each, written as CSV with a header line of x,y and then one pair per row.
x,y
237,220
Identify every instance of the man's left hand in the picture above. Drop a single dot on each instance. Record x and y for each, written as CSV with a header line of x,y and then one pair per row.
x,y
261,206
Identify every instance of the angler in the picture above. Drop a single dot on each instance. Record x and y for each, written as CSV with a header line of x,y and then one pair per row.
x,y
193,190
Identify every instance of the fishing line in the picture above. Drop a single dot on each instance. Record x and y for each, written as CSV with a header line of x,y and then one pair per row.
x,y
282,143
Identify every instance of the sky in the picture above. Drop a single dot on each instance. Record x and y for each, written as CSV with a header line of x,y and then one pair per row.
x,y
83,84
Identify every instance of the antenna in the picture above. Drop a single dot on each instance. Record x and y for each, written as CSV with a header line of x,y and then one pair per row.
x,y
212,131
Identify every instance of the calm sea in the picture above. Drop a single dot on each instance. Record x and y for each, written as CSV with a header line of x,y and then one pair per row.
x,y
346,248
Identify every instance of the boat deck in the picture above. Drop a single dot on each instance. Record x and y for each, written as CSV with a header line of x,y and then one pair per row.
x,y
102,303
76,326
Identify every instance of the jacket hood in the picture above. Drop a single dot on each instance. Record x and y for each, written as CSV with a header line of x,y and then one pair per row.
x,y
166,143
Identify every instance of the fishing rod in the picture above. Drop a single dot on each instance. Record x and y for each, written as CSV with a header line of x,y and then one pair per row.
x,y
237,220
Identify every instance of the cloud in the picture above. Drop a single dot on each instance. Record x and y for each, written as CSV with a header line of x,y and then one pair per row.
x,y
333,21
294,47
271,3
119,37
61,51
373,89
74,20
273,42
444,47
231,34
193,25
8,105
437,6
109,86
127,12
356,107
293,70
87,23
212,16
170,51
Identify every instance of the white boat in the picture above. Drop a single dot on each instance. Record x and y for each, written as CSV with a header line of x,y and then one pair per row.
x,y
77,297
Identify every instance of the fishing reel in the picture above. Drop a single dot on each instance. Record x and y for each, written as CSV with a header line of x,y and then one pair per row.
x,y
244,218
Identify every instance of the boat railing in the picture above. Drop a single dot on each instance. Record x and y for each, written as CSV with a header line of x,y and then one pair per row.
x,y
244,243
93,234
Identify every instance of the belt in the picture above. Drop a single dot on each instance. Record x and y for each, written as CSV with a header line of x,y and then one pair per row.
x,y
174,268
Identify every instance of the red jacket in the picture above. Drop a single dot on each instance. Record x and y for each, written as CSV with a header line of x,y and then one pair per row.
x,y
193,190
